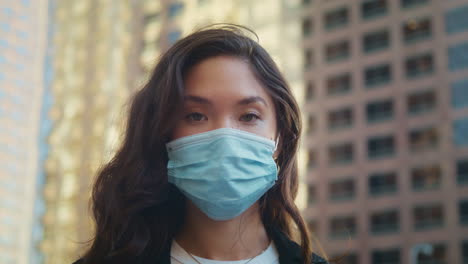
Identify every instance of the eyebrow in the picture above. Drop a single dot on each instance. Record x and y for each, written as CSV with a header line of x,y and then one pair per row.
x,y
245,101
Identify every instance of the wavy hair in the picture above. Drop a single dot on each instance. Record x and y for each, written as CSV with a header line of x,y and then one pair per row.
x,y
136,211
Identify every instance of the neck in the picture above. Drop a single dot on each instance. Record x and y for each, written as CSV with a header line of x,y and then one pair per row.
x,y
240,238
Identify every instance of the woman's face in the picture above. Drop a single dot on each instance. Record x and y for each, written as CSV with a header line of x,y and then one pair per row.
x,y
222,92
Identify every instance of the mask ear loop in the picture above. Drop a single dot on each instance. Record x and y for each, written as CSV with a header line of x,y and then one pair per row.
x,y
276,143
275,157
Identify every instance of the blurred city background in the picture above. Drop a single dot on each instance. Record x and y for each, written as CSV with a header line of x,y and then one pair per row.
x,y
383,86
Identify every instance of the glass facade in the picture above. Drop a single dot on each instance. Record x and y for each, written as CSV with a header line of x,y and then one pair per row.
x,y
23,48
426,178
339,84
415,30
384,222
380,147
458,57
423,139
460,130
386,256
463,212
335,19
337,51
340,119
460,94
419,65
382,183
379,111
377,75
343,227
421,102
428,216
456,20
461,170
413,3
342,190
376,41
373,8
341,154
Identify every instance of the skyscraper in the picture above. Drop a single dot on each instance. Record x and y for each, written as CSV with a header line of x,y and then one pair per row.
x,y
23,43
387,138
92,45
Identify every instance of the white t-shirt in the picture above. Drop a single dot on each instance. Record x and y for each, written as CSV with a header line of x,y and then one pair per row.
x,y
180,256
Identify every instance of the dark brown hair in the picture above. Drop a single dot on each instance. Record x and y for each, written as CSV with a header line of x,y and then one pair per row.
x,y
137,212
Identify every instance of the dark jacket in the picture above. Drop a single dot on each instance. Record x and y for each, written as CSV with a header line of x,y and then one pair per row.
x,y
289,252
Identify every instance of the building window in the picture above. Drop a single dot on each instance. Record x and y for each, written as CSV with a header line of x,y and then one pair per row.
x,y
337,18
346,258
341,154
421,102
308,59
460,130
412,3
436,256
376,41
423,139
340,119
415,30
385,222
343,227
379,111
462,171
151,18
340,84
173,36
309,91
463,212
337,51
419,65
386,256
380,147
307,27
456,20
457,56
464,249
426,178
175,9
460,94
373,8
342,190
428,217
377,75
312,159
311,194
382,183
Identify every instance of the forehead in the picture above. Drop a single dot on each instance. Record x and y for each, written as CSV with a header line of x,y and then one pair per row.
x,y
224,76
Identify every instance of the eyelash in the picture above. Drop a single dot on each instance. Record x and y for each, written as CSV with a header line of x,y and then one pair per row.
x,y
190,116
254,115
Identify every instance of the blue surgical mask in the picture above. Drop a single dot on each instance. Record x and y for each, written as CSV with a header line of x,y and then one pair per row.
x,y
223,171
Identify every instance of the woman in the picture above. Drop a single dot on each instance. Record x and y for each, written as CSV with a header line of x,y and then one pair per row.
x,y
207,171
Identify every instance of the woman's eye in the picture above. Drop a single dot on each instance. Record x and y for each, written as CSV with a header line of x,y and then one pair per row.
x,y
195,117
249,117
